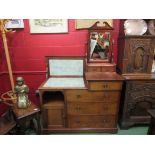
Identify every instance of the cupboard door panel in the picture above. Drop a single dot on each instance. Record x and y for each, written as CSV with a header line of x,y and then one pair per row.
x,y
53,115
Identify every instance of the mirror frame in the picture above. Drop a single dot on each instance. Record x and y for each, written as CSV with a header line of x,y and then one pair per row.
x,y
101,29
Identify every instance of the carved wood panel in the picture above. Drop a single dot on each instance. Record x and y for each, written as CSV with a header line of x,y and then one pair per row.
x,y
140,94
139,55
135,54
139,97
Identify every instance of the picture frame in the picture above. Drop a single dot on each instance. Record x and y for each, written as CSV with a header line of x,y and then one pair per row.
x,y
87,23
15,24
48,25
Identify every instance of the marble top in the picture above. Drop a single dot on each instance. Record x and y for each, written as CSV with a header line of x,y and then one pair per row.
x,y
65,82
66,67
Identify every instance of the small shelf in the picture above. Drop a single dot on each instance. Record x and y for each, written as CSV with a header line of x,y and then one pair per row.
x,y
53,97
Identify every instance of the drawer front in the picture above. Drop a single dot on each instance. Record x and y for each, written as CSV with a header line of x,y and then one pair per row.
x,y
105,85
108,69
96,108
141,86
89,96
100,68
91,121
94,69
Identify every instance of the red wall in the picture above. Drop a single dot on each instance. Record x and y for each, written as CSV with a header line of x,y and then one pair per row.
x,y
28,53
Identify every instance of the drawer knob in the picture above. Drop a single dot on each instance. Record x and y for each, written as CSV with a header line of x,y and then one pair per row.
x,y
106,95
105,108
78,108
78,121
104,121
78,96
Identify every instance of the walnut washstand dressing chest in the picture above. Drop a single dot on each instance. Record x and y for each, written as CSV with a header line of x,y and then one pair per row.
x,y
75,101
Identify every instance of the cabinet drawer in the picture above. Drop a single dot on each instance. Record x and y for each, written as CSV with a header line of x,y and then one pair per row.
x,y
141,85
90,96
96,108
91,121
105,85
94,69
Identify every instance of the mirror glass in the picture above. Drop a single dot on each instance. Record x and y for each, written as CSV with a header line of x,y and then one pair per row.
x,y
99,45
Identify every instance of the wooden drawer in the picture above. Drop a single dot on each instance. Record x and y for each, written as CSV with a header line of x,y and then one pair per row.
x,y
91,121
101,67
105,85
108,69
90,96
96,108
141,85
94,69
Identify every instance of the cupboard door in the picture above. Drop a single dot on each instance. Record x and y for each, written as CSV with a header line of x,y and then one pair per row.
x,y
53,116
140,56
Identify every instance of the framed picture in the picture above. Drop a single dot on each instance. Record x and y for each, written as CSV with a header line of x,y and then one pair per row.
x,y
87,23
15,24
48,25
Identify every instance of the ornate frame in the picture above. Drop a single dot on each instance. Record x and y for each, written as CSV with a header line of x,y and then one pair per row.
x,y
105,29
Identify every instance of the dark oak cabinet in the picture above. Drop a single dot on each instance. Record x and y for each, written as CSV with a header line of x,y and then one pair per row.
x,y
136,54
135,59
138,95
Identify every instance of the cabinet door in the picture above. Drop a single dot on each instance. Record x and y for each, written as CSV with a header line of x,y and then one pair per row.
x,y
53,118
139,53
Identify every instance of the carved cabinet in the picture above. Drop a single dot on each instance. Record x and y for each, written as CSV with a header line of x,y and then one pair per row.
x,y
135,59
135,54
138,95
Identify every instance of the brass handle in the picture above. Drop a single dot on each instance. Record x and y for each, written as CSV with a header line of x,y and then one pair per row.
x,y
105,85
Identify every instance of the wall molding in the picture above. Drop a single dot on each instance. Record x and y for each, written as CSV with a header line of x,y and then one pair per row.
x,y
24,72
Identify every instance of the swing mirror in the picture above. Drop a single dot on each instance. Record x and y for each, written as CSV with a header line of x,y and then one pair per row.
x,y
100,43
